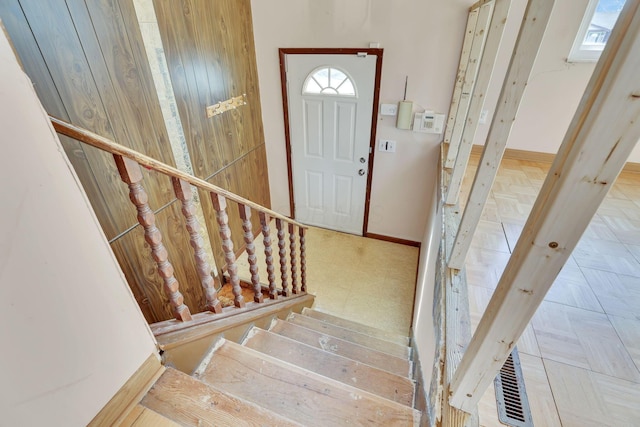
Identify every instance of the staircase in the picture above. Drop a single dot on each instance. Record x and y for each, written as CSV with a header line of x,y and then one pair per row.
x,y
311,369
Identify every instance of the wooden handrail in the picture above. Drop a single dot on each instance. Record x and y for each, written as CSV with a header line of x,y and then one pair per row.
x,y
108,145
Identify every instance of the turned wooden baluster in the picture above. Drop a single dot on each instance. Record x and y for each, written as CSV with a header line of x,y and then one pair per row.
x,y
294,263
268,253
283,257
131,174
220,205
303,260
184,193
245,215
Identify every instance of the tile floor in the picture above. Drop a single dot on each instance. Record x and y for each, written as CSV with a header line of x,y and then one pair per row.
x,y
581,352
360,279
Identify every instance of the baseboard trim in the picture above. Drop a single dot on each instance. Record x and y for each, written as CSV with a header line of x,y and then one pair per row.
x,y
534,156
126,399
393,239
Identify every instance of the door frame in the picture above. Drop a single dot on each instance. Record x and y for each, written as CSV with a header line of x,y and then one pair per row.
x,y
283,52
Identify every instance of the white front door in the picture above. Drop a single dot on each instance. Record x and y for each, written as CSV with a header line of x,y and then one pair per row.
x,y
330,100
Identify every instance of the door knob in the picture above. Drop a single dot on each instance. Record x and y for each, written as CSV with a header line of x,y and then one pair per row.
x,y
361,172
362,160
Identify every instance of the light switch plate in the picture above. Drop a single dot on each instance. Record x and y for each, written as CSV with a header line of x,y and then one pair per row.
x,y
389,109
387,145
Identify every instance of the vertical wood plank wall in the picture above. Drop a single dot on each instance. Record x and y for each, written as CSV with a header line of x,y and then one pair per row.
x,y
211,57
88,66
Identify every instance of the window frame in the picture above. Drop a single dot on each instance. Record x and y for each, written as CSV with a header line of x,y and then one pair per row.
x,y
578,52
348,78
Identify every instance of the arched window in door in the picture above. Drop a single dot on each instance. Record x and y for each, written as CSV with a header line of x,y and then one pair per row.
x,y
328,81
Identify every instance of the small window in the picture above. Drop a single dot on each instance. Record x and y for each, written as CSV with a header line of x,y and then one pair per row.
x,y
328,81
595,30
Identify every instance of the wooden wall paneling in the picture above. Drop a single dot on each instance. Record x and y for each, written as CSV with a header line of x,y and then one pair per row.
x,y
58,41
234,18
118,77
128,258
219,57
187,68
34,65
211,55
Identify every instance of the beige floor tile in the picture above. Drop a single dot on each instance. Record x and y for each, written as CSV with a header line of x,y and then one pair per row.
x,y
487,408
590,399
635,250
512,231
584,339
598,229
618,294
606,255
629,332
572,288
626,230
490,235
619,208
484,267
543,407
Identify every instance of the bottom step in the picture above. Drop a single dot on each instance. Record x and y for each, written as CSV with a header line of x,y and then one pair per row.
x,y
297,393
189,402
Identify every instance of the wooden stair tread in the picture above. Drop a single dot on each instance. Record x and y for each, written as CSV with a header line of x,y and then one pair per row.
x,y
351,335
358,327
140,416
190,402
378,359
357,374
297,393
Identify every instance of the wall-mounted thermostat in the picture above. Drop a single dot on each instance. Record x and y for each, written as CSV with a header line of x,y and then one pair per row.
x,y
428,122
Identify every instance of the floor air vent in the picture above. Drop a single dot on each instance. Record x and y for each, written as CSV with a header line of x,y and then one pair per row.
x,y
511,396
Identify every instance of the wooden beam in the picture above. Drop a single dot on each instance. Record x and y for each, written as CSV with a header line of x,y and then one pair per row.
x,y
478,4
469,32
460,159
457,324
469,81
526,49
604,131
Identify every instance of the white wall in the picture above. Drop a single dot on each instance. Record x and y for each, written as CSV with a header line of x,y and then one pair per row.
x,y
70,329
555,87
420,38
423,322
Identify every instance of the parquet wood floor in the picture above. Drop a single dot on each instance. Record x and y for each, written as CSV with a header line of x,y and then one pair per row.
x,y
581,352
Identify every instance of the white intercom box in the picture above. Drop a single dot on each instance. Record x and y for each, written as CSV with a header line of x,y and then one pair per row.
x,y
428,122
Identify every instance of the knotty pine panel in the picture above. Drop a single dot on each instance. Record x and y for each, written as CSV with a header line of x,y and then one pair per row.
x,y
134,255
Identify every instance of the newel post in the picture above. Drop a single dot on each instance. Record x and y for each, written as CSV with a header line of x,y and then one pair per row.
x,y
131,174
184,193
220,205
